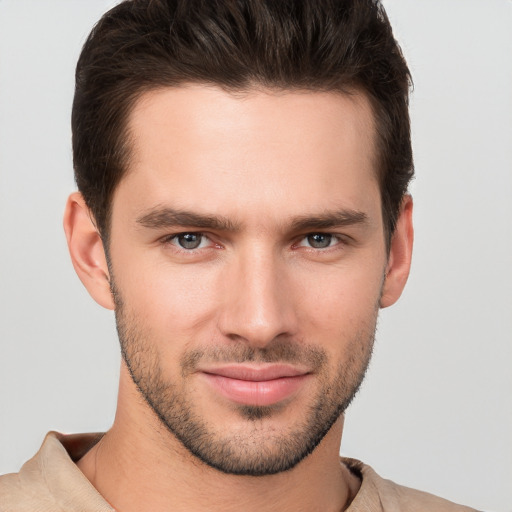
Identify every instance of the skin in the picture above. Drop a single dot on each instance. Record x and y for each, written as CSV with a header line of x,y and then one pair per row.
x,y
262,161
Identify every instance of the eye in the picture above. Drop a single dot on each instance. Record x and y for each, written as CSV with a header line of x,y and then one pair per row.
x,y
319,240
189,241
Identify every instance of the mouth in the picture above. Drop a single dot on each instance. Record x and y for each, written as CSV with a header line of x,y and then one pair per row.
x,y
256,385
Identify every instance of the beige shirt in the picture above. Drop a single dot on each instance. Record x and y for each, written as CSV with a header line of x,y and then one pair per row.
x,y
51,482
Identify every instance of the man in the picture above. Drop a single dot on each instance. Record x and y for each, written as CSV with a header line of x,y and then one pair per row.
x,y
243,207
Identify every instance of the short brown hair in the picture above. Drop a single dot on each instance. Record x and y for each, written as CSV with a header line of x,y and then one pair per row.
x,y
325,45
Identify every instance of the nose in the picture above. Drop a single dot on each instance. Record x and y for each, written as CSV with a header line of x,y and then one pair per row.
x,y
258,299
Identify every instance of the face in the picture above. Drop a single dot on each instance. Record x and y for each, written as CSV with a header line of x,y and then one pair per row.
x,y
247,257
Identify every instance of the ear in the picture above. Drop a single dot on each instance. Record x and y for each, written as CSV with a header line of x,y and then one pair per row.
x,y
399,260
86,250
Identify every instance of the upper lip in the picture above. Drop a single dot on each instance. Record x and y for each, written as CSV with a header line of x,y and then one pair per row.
x,y
256,373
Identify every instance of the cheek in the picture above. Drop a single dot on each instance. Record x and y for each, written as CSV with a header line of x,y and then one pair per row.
x,y
340,304
178,306
170,299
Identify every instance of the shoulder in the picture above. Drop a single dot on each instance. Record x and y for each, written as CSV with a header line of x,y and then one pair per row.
x,y
27,489
379,494
50,481
19,495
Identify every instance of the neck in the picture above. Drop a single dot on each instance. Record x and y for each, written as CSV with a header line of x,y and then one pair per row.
x,y
140,465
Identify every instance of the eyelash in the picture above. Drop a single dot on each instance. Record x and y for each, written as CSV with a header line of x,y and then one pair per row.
x,y
331,237
171,238
338,239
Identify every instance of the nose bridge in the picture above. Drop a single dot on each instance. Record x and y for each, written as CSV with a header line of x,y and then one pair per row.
x,y
259,305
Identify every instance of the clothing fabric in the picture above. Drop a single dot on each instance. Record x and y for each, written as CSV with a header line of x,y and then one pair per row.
x,y
51,482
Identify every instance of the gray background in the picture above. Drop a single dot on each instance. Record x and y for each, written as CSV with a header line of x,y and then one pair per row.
x,y
435,412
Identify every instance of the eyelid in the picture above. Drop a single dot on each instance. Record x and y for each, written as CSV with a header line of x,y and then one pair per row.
x,y
340,239
170,238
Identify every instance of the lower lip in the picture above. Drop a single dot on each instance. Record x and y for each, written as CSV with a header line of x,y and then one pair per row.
x,y
260,393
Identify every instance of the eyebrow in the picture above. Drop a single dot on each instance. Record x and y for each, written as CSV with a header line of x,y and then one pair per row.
x,y
330,219
169,217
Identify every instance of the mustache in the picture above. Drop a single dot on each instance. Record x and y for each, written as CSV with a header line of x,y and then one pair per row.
x,y
278,351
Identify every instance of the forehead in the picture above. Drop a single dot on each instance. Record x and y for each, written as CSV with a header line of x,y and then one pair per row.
x,y
204,145
261,115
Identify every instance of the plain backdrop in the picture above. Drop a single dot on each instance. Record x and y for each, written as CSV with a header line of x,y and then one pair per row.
x,y
435,411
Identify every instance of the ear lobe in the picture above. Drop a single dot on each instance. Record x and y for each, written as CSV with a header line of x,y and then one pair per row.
x,y
86,250
399,261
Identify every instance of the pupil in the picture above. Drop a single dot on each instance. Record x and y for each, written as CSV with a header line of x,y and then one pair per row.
x,y
319,240
189,240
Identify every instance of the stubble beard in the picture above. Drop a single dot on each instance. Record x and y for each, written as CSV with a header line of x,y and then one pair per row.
x,y
258,449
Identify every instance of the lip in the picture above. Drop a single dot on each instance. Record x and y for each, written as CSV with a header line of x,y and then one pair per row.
x,y
259,386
